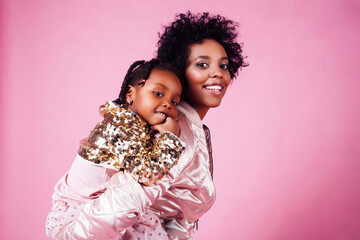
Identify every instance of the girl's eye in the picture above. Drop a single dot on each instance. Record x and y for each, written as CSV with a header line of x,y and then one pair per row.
x,y
175,103
224,66
159,94
202,65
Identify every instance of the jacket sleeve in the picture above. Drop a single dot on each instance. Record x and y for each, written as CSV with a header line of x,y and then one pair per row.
x,y
83,183
122,141
108,216
178,229
158,161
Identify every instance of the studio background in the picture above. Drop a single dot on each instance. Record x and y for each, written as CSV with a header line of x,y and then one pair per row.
x,y
286,139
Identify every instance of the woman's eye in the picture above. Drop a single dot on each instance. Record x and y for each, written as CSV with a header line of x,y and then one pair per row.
x,y
202,65
175,103
224,66
159,94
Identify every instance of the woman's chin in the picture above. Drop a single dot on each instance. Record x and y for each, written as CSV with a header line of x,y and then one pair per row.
x,y
214,104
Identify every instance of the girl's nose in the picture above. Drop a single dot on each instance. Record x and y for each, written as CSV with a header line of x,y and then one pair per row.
x,y
166,104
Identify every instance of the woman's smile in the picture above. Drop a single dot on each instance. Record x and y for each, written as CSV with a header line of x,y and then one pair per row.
x,y
207,75
215,89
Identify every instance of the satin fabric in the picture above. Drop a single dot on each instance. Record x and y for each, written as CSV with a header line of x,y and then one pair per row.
x,y
91,202
192,193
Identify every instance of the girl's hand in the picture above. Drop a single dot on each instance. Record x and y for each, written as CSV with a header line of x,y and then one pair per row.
x,y
170,125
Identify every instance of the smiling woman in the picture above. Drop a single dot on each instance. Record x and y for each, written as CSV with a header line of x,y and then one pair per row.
x,y
204,50
207,75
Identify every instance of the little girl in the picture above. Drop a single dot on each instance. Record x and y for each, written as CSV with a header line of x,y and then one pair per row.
x,y
125,141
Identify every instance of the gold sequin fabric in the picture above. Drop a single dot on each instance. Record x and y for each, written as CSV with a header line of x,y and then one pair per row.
x,y
124,142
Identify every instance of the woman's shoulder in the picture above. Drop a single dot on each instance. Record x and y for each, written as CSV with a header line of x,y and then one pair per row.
x,y
191,133
188,114
190,123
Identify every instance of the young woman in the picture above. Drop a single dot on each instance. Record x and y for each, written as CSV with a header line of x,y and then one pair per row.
x,y
204,50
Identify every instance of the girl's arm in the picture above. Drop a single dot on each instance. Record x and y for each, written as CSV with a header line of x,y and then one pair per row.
x,y
158,161
122,141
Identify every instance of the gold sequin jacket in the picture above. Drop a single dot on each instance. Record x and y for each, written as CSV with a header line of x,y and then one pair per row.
x,y
92,202
123,141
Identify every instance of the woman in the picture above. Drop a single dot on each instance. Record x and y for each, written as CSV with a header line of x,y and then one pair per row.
x,y
204,50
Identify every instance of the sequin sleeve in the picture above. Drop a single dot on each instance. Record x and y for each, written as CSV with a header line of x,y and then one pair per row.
x,y
118,141
162,157
122,141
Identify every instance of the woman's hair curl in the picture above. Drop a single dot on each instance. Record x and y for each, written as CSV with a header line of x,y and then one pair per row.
x,y
191,28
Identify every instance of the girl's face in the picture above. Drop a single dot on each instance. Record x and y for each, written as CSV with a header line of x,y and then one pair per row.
x,y
158,98
207,75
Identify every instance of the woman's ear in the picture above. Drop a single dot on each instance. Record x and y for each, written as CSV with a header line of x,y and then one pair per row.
x,y
130,95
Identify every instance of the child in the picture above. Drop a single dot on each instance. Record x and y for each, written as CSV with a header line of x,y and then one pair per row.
x,y
124,140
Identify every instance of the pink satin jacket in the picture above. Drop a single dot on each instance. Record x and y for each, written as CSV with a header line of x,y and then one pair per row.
x,y
92,202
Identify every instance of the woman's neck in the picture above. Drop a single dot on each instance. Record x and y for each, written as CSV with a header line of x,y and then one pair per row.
x,y
201,111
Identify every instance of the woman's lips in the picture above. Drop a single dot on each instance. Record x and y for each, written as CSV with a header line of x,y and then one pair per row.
x,y
214,89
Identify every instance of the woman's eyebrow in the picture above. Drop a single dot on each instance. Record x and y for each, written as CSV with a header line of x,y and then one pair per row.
x,y
207,57
202,56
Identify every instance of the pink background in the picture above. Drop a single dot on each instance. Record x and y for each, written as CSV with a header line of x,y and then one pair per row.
x,y
286,138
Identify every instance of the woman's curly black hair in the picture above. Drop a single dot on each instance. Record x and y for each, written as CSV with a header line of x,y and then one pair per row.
x,y
191,28
138,73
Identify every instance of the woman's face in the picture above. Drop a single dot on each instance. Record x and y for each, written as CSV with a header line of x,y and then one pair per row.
x,y
207,75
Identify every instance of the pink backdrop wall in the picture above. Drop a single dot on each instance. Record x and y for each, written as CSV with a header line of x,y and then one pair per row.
x,y
286,138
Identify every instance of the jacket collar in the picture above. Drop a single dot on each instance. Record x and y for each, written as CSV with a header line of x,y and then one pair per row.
x,y
190,113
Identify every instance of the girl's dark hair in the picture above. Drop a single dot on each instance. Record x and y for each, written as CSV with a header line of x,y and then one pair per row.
x,y
191,28
138,73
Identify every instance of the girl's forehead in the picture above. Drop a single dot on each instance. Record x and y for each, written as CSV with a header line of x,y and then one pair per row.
x,y
162,75
164,78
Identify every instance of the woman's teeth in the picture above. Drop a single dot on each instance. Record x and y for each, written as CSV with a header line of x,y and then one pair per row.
x,y
213,87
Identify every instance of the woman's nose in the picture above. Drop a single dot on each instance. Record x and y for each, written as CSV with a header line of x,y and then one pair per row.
x,y
216,72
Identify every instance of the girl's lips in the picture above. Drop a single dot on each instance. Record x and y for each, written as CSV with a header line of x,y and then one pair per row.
x,y
161,114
